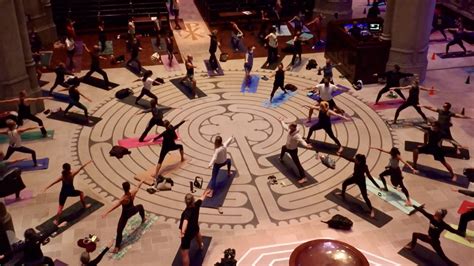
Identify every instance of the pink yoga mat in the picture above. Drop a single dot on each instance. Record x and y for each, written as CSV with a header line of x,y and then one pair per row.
x,y
25,194
134,143
384,105
174,65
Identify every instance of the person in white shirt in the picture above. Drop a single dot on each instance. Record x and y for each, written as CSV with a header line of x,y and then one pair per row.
x,y
272,40
147,83
325,91
13,134
71,50
291,147
218,160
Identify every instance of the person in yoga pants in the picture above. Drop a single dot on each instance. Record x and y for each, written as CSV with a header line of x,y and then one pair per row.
x,y
61,72
95,64
437,226
237,35
433,147
189,225
358,177
67,188
74,99
413,99
156,119
14,138
438,24
135,49
6,166
24,109
147,83
292,141
393,170
326,91
458,34
218,160
212,51
324,122
327,71
272,45
467,216
444,120
248,64
129,209
169,144
392,78
190,74
102,35
86,258
169,47
279,81
297,48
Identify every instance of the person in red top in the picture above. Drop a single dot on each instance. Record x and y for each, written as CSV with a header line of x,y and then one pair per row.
x,y
70,31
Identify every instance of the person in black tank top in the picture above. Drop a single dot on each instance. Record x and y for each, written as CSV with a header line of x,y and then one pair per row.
x,y
155,120
358,177
324,122
74,98
413,99
95,64
24,110
212,51
67,188
129,209
61,72
190,74
279,81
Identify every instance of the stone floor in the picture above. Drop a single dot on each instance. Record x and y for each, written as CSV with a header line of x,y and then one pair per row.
x,y
263,223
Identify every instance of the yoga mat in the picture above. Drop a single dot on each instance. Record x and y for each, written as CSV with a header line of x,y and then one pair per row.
x,y
29,135
456,54
220,191
289,170
79,47
422,255
41,83
74,118
210,72
465,206
254,79
98,83
134,143
459,239
25,194
187,90
46,58
27,165
142,103
449,151
279,99
304,37
316,97
77,59
196,256
314,121
273,65
392,196
174,65
146,176
469,70
438,175
134,69
158,48
109,48
384,105
133,231
358,207
61,97
72,215
284,30
180,23
406,123
305,29
330,148
59,263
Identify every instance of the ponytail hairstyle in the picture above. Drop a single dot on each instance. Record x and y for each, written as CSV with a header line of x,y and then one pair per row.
x,y
66,170
126,187
218,142
394,152
146,75
360,158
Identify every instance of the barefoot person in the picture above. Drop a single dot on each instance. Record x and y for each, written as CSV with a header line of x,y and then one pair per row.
x,y
248,64
392,78
326,91
95,64
147,83
189,226
394,171
67,188
218,160
129,209
61,73
358,177
74,99
169,144
190,74
156,119
413,99
279,81
14,141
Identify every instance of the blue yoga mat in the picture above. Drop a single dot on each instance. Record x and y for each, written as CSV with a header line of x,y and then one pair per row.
x,y
279,99
43,163
305,29
220,191
253,84
61,97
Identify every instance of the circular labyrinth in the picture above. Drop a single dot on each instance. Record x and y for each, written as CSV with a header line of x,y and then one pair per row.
x,y
258,135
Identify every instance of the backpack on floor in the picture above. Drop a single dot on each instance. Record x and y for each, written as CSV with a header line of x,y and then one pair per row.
x,y
119,151
290,87
123,93
311,64
339,222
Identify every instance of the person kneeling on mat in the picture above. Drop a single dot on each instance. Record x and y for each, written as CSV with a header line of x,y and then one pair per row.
x,y
218,160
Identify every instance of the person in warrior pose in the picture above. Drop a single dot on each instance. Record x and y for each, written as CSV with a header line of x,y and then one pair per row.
x,y
61,72
413,99
458,34
14,143
218,160
327,70
393,170
155,120
279,80
358,177
147,83
95,64
129,209
326,91
74,99
67,188
324,122
392,80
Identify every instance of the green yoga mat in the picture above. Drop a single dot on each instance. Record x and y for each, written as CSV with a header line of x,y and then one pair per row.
x,y
392,196
29,135
461,240
133,232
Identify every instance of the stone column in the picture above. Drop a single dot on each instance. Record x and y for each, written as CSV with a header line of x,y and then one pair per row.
x,y
329,7
410,32
40,18
387,23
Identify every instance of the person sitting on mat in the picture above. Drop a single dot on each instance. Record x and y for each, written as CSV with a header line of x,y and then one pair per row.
x,y
155,120
358,177
61,72
394,171
189,226
218,160
190,74
326,91
248,65
24,109
14,137
86,258
444,120
467,216
74,98
129,209
147,83
279,81
95,64
437,226
392,78
67,188
413,99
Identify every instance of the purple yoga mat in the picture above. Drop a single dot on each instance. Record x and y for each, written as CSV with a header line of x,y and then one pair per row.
x,y
25,194
174,64
384,105
43,163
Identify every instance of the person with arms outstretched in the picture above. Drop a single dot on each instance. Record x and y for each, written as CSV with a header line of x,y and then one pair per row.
x,y
14,141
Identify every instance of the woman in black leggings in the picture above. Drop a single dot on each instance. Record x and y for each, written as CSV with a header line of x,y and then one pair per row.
x,y
147,83
74,98
128,210
358,177
413,99
24,109
279,81
458,35
324,122
156,119
14,141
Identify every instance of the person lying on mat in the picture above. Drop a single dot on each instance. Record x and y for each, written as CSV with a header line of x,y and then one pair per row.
x,y
86,258
467,216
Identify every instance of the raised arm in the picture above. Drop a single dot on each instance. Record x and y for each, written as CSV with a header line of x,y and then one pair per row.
x,y
135,191
369,176
331,112
465,192
12,100
21,130
407,164
429,108
86,48
228,141
15,161
379,149
85,97
54,183
74,173
401,88
426,89
421,209
302,142
462,116
179,124
284,125
116,205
